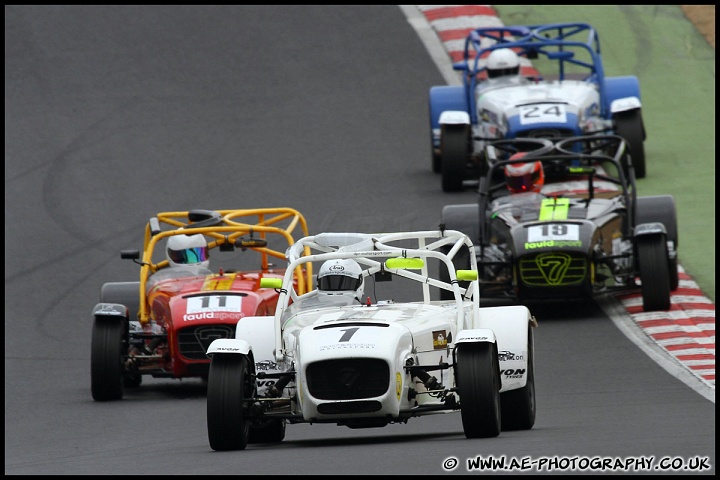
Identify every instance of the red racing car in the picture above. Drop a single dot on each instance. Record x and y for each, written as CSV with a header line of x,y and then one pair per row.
x,y
162,324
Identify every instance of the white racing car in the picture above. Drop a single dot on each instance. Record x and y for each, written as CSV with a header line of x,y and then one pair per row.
x,y
333,355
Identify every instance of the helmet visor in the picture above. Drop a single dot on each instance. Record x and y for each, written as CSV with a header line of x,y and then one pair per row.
x,y
189,255
523,183
334,283
502,72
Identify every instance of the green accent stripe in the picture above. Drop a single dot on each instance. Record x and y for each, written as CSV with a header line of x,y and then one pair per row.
x,y
554,209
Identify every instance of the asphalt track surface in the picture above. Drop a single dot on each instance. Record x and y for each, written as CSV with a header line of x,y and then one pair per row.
x,y
115,113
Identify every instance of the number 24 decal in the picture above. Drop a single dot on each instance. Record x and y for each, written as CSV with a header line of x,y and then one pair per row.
x,y
551,113
537,112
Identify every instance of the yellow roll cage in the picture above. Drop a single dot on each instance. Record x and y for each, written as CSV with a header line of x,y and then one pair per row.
x,y
226,227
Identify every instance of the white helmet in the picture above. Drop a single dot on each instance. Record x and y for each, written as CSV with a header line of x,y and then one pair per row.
x,y
502,62
341,277
187,250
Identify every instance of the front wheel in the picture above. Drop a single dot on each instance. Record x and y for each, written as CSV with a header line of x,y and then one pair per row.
x,y
454,157
654,273
478,382
229,389
106,371
661,208
518,406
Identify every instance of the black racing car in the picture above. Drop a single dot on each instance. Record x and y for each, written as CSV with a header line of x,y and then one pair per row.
x,y
586,232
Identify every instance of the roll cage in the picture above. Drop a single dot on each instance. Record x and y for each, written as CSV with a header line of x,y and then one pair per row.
x,y
246,229
382,254
568,44
581,157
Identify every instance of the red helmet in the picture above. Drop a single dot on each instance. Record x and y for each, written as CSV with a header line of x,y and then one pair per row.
x,y
524,177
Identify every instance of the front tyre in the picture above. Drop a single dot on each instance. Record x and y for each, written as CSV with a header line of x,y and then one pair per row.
x,y
661,208
654,273
518,406
478,381
106,372
229,389
455,150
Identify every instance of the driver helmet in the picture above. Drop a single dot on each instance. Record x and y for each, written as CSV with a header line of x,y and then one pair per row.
x,y
185,250
502,62
524,177
341,277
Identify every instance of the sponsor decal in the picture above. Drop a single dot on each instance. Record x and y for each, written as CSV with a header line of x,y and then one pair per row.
x,y
439,339
513,373
505,355
109,309
223,316
398,385
266,365
553,244
345,346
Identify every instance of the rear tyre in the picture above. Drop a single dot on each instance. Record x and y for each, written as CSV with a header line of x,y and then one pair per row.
x,y
454,157
518,406
229,389
271,431
478,381
106,372
654,274
629,125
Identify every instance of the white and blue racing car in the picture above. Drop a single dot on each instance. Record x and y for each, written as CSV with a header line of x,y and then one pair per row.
x,y
530,81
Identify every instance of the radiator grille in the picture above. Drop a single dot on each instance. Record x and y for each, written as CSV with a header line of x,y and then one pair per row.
x,y
553,269
348,379
364,406
193,342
